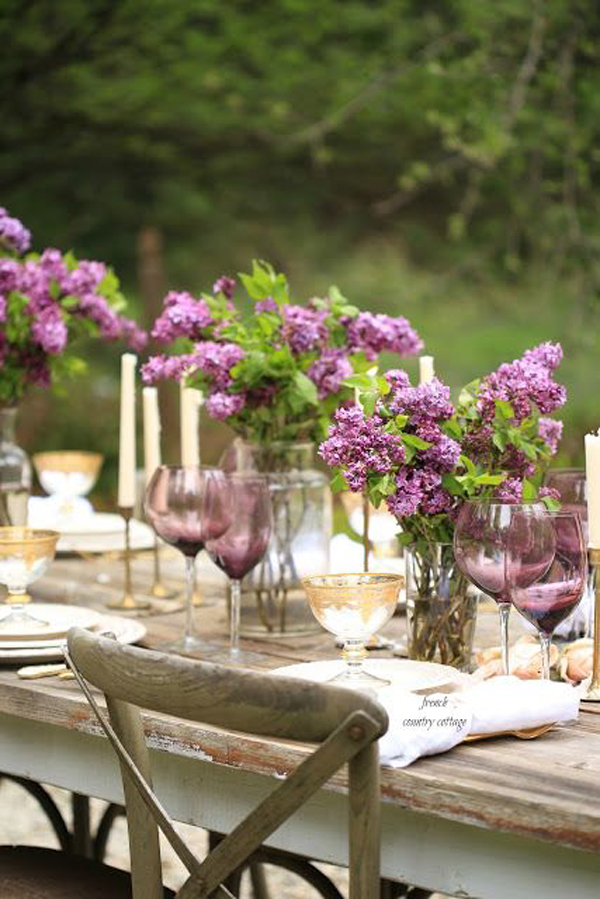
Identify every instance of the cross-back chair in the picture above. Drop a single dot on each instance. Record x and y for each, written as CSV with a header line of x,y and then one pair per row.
x,y
345,724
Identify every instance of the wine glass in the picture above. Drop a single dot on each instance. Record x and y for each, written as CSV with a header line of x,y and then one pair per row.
x,y
67,476
353,607
25,554
187,506
552,597
491,536
242,546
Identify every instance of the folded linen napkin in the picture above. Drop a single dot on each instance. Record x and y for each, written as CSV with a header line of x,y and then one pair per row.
x,y
426,725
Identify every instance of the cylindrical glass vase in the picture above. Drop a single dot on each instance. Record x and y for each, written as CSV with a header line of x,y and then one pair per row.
x,y
15,472
441,607
273,601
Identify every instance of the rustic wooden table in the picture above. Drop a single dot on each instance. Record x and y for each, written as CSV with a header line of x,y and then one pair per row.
x,y
495,819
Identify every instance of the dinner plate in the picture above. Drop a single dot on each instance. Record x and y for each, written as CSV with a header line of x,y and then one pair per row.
x,y
126,630
59,617
403,673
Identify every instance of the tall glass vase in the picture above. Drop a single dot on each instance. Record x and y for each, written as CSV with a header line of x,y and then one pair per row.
x,y
273,601
15,472
441,606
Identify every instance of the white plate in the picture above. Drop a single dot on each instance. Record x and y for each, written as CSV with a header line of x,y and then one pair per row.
x,y
402,673
126,630
60,618
142,537
100,523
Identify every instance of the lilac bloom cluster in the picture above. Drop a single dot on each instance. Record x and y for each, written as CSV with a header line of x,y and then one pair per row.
x,y
182,316
266,305
224,285
359,446
14,236
374,332
304,329
329,371
524,383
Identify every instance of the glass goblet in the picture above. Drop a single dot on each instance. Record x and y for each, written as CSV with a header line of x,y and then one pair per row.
x,y
25,554
242,546
552,597
188,506
353,607
67,476
489,536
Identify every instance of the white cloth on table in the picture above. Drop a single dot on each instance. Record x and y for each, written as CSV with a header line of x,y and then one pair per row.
x,y
427,725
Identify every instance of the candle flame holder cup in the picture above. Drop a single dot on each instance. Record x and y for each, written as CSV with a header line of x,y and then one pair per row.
x,y
128,602
593,693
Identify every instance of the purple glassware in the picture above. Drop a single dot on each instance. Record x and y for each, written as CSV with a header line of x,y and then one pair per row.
x,y
188,506
242,546
497,545
553,596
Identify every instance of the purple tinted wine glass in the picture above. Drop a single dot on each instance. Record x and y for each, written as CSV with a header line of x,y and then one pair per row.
x,y
242,546
550,599
490,537
188,506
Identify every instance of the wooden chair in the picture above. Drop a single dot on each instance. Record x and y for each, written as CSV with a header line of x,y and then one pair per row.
x,y
345,724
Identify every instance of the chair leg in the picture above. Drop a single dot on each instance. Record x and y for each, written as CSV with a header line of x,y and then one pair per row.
x,y
82,836
365,823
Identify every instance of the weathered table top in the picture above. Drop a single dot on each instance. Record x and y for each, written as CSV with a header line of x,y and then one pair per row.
x,y
546,790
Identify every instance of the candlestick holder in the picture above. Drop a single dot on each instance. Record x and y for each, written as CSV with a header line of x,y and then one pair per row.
x,y
593,693
128,600
158,589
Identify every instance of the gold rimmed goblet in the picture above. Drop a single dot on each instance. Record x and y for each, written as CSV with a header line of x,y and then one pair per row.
x,y
353,607
68,475
25,554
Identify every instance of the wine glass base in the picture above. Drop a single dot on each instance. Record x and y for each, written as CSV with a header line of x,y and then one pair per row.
x,y
188,644
359,681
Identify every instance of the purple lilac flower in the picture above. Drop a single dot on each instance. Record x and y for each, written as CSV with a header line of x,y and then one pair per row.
x,y
224,285
215,361
2,309
524,382
303,329
266,305
359,445
182,316
134,336
550,430
10,275
13,233
374,332
84,279
50,331
424,404
329,371
161,368
222,405
510,491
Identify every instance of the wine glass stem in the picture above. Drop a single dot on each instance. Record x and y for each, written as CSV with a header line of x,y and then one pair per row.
x,y
545,642
190,581
504,609
234,612
353,654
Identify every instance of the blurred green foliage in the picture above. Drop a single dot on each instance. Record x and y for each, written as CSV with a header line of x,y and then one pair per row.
x,y
438,159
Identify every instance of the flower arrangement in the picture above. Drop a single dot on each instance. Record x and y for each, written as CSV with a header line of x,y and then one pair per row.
x,y
46,302
424,456
413,448
279,374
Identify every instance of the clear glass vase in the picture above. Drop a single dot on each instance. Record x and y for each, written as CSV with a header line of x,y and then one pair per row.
x,y
273,600
15,472
441,607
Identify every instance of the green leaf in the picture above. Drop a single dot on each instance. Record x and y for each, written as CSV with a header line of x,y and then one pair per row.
x,y
490,479
359,382
400,421
306,388
339,482
405,538
552,504
468,464
504,409
417,442
529,491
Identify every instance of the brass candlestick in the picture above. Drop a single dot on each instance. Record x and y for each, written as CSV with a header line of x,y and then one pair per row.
x,y
128,600
158,589
593,693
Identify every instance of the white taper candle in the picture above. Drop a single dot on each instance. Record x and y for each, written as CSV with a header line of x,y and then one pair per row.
x,y
426,369
151,431
592,474
191,401
126,491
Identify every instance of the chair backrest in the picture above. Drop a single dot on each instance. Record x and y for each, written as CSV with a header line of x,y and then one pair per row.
x,y
345,723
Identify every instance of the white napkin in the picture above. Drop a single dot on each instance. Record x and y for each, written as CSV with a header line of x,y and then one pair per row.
x,y
427,725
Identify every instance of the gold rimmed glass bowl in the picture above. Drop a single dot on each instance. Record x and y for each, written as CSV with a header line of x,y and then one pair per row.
x,y
67,475
25,554
353,607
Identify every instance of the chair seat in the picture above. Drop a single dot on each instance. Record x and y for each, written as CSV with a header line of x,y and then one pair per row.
x,y
28,872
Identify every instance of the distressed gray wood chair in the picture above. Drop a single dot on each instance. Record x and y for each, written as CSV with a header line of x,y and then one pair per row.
x,y
345,724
